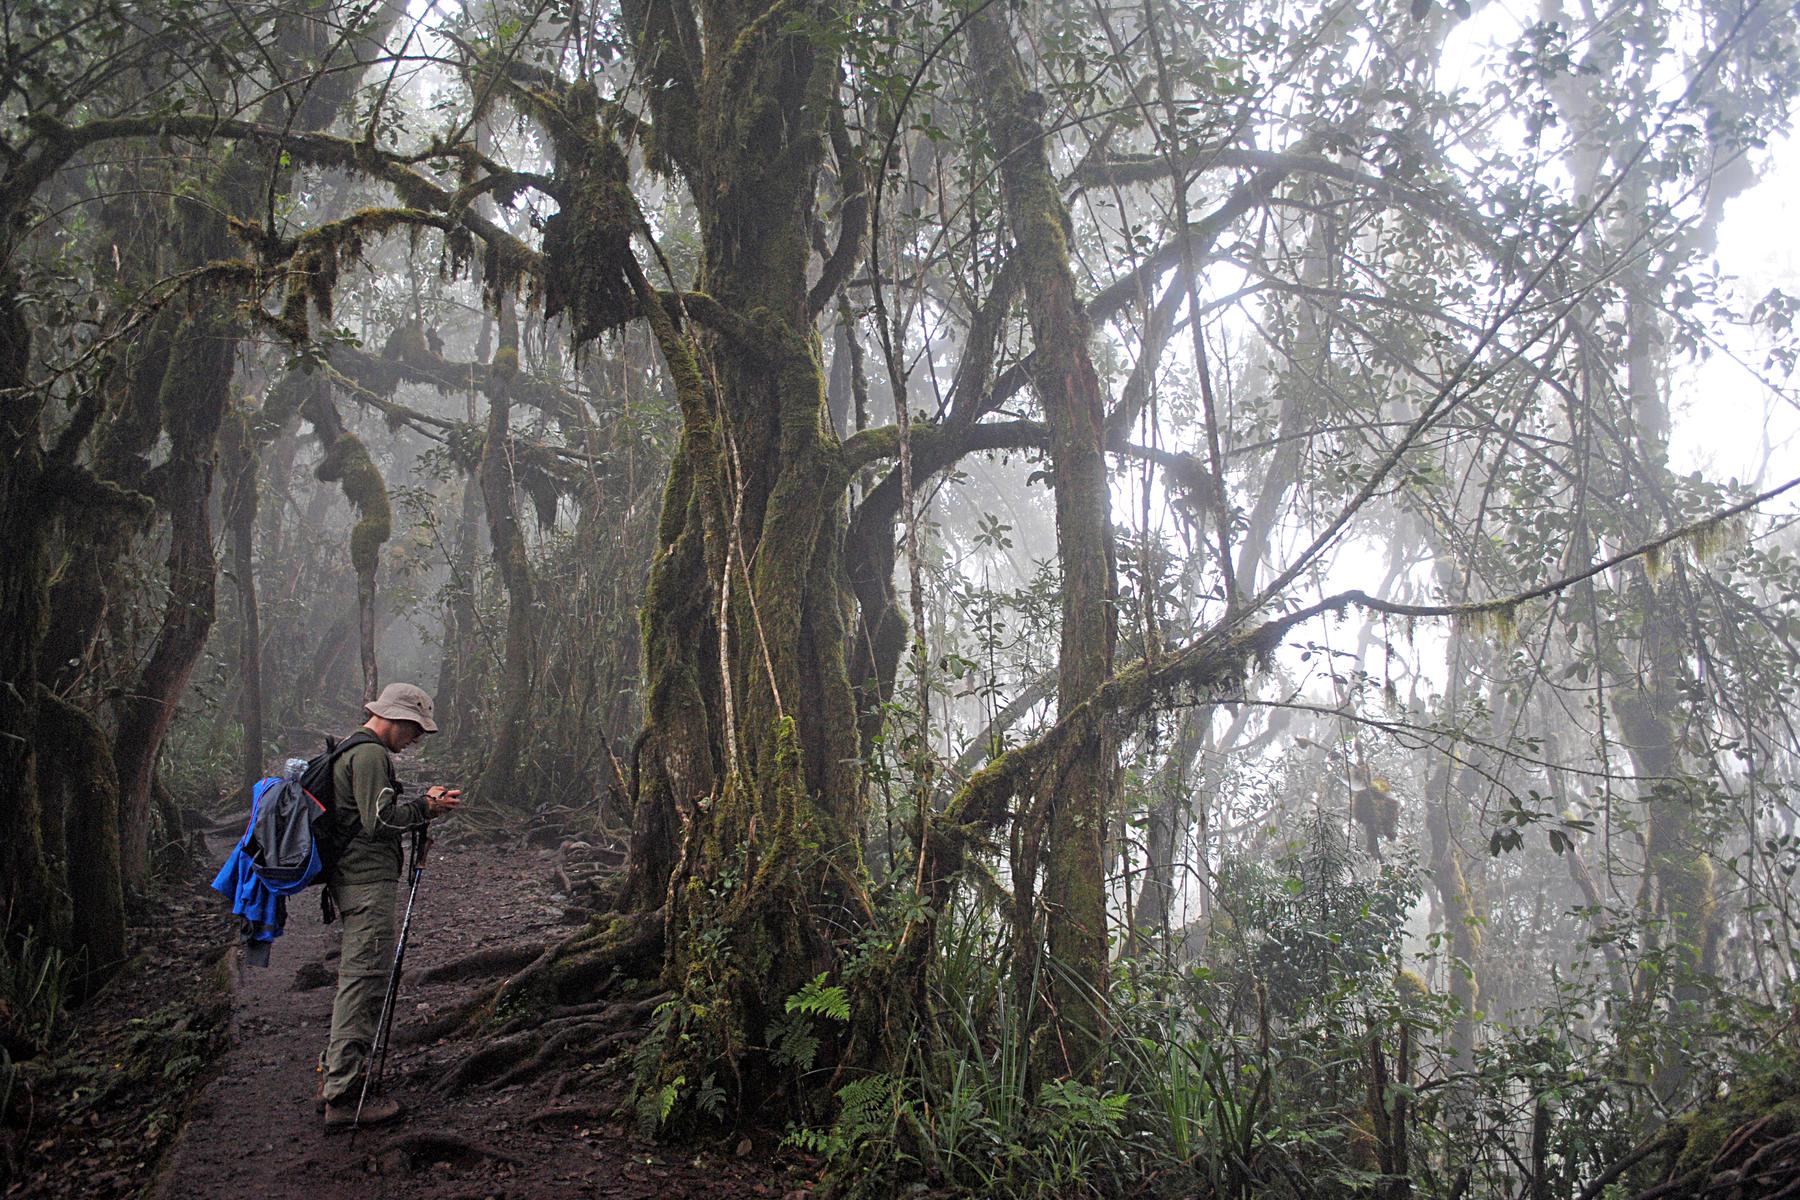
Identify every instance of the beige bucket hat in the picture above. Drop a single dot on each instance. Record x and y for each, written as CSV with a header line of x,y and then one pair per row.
x,y
403,702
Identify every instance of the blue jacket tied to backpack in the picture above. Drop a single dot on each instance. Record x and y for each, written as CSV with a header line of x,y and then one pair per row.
x,y
270,862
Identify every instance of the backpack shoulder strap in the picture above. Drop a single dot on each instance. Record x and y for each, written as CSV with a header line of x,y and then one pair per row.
x,y
361,737
316,780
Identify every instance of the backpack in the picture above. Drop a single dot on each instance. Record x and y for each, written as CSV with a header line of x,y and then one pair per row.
x,y
297,833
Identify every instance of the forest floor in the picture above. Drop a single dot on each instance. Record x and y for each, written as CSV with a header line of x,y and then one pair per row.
x,y
194,1076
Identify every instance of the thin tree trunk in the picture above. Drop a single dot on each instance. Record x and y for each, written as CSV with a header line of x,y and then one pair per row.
x,y
1079,789
241,486
458,686
500,778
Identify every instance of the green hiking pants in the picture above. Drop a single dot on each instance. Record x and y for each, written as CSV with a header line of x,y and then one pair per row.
x,y
367,913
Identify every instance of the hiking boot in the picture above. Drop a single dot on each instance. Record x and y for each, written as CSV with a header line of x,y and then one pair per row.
x,y
378,1111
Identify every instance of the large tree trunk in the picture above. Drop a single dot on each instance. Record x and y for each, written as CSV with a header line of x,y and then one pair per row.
x,y
194,395
96,539
748,780
87,785
26,892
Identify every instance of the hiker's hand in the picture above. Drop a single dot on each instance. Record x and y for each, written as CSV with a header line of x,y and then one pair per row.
x,y
440,800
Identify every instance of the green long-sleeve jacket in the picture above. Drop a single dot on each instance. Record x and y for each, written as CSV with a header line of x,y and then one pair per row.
x,y
362,776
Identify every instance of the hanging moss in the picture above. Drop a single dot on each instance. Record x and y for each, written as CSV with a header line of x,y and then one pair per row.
x,y
316,258
1714,538
348,463
1499,621
464,441
587,244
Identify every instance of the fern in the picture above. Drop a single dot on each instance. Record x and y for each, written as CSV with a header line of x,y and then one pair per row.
x,y
821,1142
666,1097
820,999
862,1106
866,1112
792,1041
709,1098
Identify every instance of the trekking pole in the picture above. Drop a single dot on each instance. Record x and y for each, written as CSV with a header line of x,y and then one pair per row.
x,y
376,1064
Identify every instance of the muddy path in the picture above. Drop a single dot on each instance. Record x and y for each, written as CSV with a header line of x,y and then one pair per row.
x,y
254,1130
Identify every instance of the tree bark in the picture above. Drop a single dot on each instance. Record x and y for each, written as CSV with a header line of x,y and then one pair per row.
x,y
1079,789
30,900
458,684
194,395
240,503
500,779
747,805
88,786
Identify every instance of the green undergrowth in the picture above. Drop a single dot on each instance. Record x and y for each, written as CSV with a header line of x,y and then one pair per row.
x,y
1293,1051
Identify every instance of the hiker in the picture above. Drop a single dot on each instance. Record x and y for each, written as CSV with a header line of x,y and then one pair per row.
x,y
362,885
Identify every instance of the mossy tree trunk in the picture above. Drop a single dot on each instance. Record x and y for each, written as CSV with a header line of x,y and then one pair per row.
x,y
64,838
458,682
95,539
748,791
30,901
348,464
1680,885
1078,790
1455,903
500,777
239,450
194,396
42,481
193,391
86,786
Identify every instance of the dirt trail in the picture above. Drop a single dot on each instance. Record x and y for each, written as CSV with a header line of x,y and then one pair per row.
x,y
254,1130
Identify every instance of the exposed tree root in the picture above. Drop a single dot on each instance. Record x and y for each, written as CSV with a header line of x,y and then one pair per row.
x,y
586,867
414,1150
551,1049
574,1113
569,972
442,1025
492,960
512,1058
523,1049
555,1010
1735,1157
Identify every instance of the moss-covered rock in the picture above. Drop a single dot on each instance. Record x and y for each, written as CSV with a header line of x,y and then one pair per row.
x,y
1735,1139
